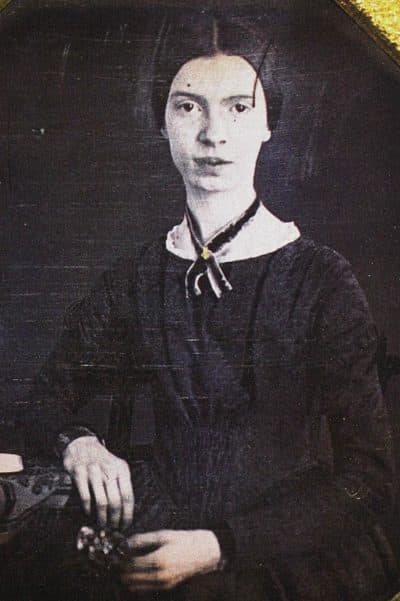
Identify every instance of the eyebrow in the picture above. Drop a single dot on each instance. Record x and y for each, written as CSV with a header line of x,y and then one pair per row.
x,y
199,98
187,95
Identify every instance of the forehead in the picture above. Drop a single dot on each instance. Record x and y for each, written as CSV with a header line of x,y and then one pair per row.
x,y
216,76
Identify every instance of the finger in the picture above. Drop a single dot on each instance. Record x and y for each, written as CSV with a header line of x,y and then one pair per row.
x,y
127,497
143,563
82,484
139,583
144,588
97,486
141,578
158,584
114,502
147,539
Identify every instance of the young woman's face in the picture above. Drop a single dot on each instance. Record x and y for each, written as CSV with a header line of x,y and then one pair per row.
x,y
214,131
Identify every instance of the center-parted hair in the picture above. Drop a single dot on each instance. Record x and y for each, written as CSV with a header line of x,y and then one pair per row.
x,y
199,33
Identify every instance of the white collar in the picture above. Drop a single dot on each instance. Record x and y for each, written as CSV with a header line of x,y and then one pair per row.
x,y
262,234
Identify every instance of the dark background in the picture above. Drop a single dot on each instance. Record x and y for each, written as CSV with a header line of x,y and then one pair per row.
x,y
85,177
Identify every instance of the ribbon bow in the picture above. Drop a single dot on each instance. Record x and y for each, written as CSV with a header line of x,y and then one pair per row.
x,y
206,262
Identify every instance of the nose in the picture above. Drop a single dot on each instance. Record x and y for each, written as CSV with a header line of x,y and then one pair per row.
x,y
213,130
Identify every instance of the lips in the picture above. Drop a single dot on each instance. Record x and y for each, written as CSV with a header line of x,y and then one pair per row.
x,y
211,161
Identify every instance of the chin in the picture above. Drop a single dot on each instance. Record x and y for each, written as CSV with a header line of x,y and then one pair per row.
x,y
214,184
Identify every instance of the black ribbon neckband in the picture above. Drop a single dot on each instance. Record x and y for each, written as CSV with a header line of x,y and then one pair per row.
x,y
206,262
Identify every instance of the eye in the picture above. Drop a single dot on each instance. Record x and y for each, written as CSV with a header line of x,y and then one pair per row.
x,y
239,107
187,106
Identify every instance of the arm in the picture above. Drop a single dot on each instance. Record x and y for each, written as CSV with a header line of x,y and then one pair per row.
x,y
318,510
86,366
83,367
92,356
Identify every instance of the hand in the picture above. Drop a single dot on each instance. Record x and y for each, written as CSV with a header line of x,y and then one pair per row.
x,y
98,473
179,555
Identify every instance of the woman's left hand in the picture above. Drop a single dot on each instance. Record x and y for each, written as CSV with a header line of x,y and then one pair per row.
x,y
178,555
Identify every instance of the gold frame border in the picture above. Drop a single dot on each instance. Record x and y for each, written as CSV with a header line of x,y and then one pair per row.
x,y
4,3
373,28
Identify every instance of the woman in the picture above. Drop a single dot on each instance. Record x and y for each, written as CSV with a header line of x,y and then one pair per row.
x,y
272,469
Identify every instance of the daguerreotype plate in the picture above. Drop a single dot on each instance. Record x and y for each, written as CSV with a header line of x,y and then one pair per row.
x,y
101,153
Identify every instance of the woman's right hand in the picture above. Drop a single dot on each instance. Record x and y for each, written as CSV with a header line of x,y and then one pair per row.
x,y
102,478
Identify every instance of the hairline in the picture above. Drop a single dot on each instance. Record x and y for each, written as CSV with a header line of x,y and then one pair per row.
x,y
217,53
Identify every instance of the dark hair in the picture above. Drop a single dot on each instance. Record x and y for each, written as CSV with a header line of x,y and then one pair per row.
x,y
197,33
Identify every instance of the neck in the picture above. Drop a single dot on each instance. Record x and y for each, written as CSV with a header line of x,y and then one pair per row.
x,y
213,210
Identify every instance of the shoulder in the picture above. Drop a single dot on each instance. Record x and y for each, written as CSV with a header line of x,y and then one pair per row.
x,y
305,250
122,273
333,270
111,293
307,261
318,276
338,301
319,263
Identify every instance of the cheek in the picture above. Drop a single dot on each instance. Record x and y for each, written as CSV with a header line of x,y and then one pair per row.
x,y
248,131
181,141
248,143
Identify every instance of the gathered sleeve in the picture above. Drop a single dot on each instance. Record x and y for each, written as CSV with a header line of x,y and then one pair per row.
x,y
91,363
94,348
320,508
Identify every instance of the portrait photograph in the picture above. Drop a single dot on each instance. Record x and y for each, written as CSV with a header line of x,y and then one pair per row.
x,y
200,300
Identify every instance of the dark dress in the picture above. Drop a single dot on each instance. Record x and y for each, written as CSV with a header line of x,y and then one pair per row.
x,y
269,420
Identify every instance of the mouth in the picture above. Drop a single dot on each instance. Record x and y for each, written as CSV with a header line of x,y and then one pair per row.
x,y
211,161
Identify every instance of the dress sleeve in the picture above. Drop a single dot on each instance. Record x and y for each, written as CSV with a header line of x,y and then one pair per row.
x,y
323,507
93,348
90,363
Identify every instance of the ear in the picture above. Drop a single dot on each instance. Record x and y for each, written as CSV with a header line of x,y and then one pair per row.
x,y
267,134
164,132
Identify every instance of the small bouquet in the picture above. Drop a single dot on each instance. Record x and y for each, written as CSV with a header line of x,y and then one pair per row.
x,y
104,547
